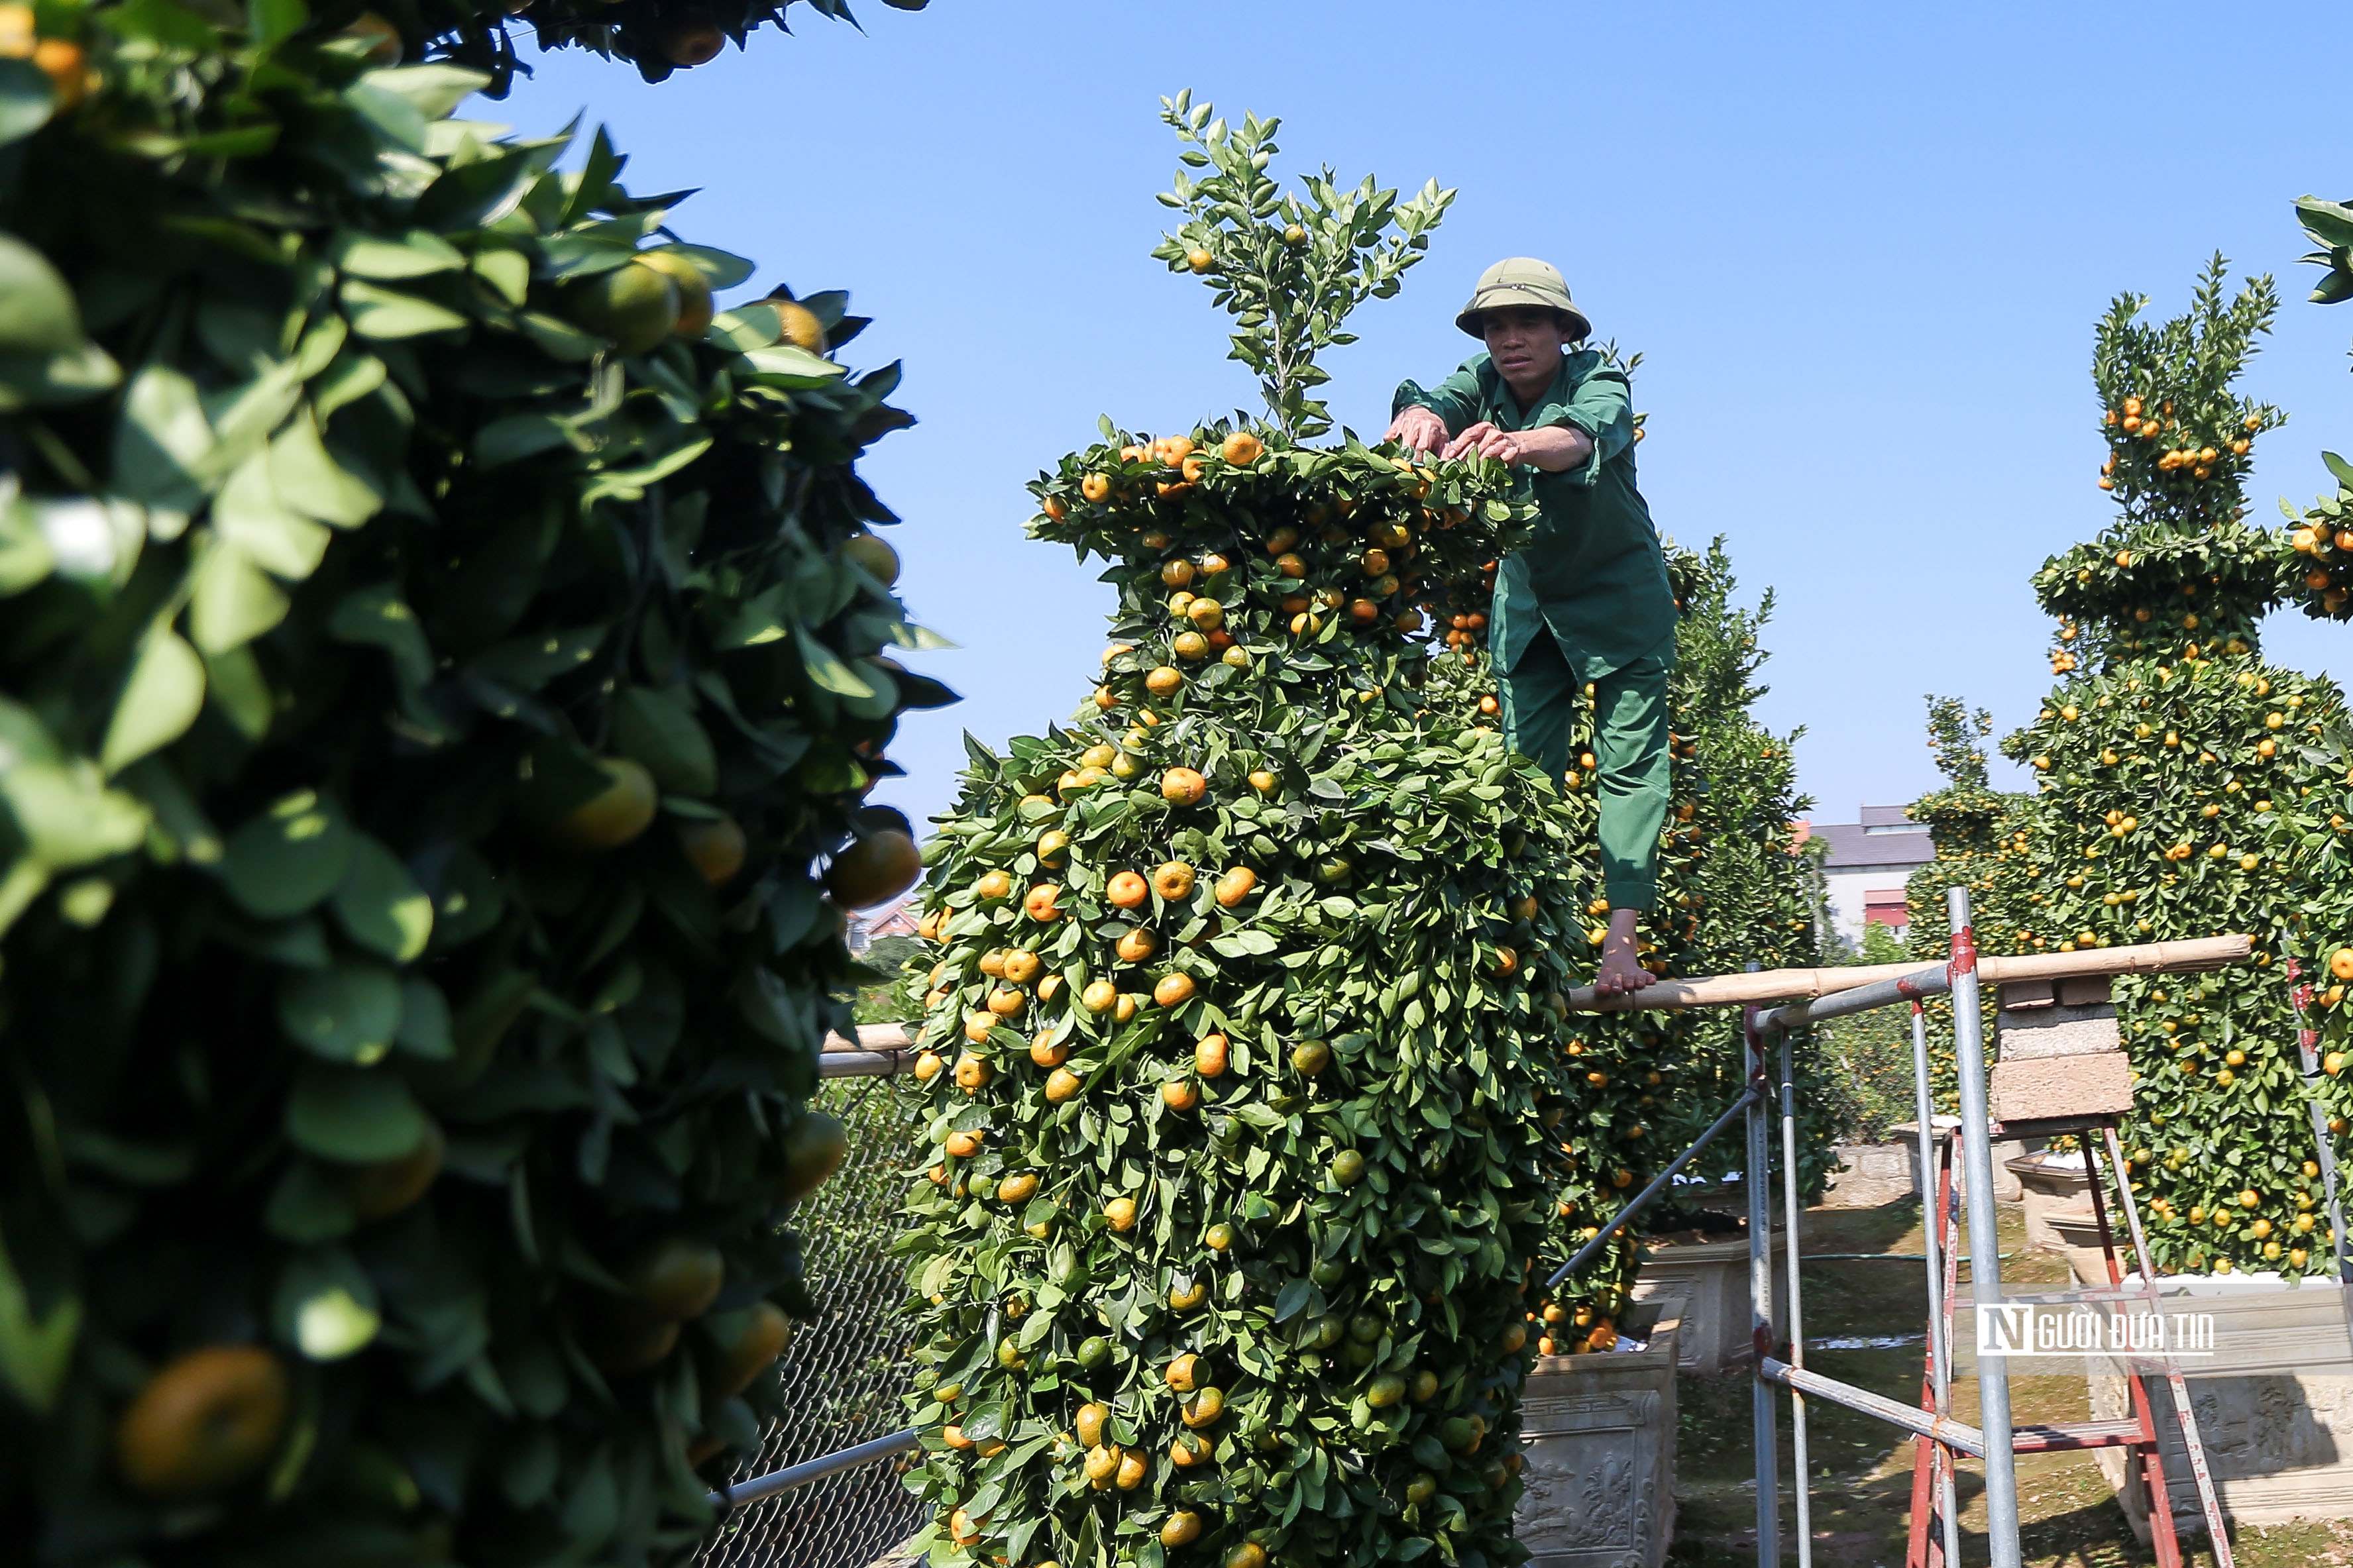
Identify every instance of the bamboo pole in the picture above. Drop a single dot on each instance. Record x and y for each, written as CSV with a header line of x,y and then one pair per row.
x,y
1790,984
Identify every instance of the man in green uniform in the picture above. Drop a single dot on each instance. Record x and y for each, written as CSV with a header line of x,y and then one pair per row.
x,y
1586,605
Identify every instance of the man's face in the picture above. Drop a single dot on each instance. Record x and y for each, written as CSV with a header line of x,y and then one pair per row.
x,y
1523,341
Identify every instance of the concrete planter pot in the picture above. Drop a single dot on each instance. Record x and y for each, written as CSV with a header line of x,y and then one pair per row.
x,y
1599,1434
2007,1188
2052,1182
2278,1440
1870,1175
1710,1280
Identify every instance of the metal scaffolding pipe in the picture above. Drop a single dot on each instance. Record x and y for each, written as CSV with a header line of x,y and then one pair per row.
x,y
1985,1245
1641,1200
1757,1176
1786,985
817,1469
1938,1428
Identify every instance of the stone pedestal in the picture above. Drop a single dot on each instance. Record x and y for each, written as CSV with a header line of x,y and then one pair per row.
x,y
2278,1439
1598,1433
1710,1282
1868,1176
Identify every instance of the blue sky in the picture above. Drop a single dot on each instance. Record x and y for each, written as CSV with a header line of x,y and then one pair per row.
x,y
1862,246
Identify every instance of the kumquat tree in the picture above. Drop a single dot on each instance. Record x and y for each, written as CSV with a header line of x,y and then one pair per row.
x,y
445,662
1244,1025
2174,766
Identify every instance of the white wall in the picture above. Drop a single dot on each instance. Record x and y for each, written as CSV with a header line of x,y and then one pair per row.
x,y
1845,891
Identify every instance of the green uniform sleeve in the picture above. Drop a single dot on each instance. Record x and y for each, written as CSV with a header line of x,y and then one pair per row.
x,y
1600,405
1455,400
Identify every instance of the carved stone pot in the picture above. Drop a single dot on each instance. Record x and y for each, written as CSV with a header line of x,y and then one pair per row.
x,y
2278,1434
1709,1280
1599,1432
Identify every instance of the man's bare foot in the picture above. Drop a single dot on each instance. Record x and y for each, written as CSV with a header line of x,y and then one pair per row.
x,y
1621,969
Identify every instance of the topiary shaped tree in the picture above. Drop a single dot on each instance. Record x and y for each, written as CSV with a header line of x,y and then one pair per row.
x,y
2165,760
441,653
1239,1032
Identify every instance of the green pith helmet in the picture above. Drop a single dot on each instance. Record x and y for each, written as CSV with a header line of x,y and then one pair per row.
x,y
1525,280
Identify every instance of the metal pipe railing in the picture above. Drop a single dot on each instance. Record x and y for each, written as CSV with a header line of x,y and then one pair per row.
x,y
1641,1200
1755,1175
1985,1245
763,1486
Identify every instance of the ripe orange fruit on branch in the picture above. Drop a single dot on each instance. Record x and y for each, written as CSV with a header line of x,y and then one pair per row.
x,y
973,1073
1136,945
1183,786
1235,886
615,814
1210,1055
714,848
877,867
207,1421
1173,880
1128,891
1180,1094
1241,448
694,304
1042,904
1173,990
1164,680
1120,1214
693,42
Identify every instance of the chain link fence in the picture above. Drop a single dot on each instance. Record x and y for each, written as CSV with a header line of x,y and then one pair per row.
x,y
847,1366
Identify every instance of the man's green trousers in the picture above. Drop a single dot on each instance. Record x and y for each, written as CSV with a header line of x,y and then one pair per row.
x,y
1633,769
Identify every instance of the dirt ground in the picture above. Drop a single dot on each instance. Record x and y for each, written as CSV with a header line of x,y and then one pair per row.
x,y
1863,1470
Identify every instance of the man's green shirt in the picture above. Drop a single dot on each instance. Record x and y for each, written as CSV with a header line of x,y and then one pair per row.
x,y
1593,572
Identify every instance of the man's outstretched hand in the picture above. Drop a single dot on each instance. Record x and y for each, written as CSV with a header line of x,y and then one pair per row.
x,y
1621,970
1416,429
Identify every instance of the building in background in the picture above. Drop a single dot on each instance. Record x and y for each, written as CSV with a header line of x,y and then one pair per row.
x,y
1865,866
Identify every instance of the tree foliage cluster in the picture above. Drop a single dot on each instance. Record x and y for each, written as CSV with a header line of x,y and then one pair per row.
x,y
441,652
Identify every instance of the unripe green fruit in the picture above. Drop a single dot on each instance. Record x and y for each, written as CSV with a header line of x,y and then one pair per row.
x,y
634,304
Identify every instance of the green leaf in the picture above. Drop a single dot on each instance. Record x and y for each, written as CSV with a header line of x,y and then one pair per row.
x,y
380,905
67,815
526,664
518,436
159,701
325,1305
2339,467
27,99
274,21
424,1021
793,367
352,1114
379,617
508,271
417,253
558,339
234,684
306,479
288,858
35,1351
746,328
826,668
433,90
388,314
2330,223
160,439
723,270
230,601
347,1012
655,728
38,314
37,380
248,514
